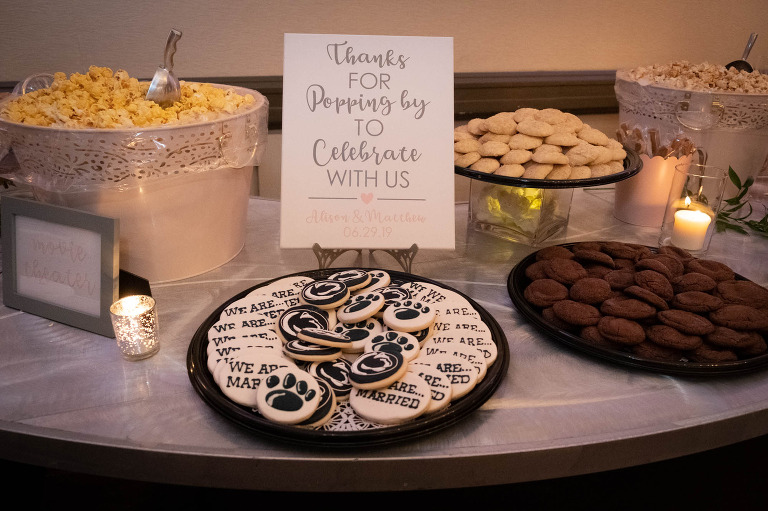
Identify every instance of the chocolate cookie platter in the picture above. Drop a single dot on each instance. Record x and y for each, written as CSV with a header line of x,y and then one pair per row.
x,y
660,309
347,357
540,148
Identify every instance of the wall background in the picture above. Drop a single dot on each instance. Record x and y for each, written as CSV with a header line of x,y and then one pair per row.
x,y
245,37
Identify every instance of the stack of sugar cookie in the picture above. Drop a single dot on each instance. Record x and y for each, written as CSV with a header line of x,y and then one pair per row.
x,y
536,144
299,348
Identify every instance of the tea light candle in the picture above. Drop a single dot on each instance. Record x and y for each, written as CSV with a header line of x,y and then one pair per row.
x,y
134,319
690,229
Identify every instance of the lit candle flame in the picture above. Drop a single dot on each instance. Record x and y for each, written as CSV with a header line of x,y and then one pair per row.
x,y
687,202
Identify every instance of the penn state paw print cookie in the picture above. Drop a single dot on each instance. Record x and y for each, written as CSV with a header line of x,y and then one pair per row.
x,y
325,407
379,279
359,333
325,294
409,315
398,342
288,396
360,307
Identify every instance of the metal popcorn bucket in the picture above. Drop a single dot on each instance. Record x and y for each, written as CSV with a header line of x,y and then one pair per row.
x,y
180,192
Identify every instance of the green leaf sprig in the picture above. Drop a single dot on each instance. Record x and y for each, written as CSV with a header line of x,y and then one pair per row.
x,y
734,214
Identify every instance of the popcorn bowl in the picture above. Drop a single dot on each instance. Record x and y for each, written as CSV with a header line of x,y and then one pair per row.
x,y
180,192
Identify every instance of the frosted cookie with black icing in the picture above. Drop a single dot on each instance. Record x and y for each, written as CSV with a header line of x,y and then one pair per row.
x,y
309,351
325,337
288,395
240,377
376,369
379,279
325,294
482,340
398,342
286,288
303,316
461,374
354,278
404,399
360,307
234,348
440,388
409,315
359,333
336,374
392,293
325,407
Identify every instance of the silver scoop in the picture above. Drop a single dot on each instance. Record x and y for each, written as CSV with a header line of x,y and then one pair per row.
x,y
743,65
165,89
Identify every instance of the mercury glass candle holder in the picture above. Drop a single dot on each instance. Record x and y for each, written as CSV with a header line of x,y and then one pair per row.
x,y
134,319
525,215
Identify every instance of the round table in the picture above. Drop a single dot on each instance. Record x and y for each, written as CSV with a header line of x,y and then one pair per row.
x,y
69,401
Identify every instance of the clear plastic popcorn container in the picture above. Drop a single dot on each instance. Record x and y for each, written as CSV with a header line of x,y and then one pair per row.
x,y
180,192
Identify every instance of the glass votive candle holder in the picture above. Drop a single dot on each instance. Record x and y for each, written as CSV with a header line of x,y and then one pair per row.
x,y
692,206
134,319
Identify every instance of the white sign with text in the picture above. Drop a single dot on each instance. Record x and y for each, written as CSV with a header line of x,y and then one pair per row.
x,y
367,136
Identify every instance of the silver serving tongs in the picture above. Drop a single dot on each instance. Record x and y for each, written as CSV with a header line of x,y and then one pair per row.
x,y
165,89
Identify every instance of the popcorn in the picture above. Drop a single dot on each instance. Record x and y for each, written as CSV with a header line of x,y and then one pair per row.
x,y
701,77
103,99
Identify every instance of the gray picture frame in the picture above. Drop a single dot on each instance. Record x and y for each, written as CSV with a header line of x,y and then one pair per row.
x,y
102,232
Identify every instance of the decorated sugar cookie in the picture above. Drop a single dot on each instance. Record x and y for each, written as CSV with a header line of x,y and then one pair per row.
x,y
224,332
240,377
234,348
402,400
461,374
255,305
325,407
439,386
309,351
286,288
325,294
325,337
336,373
483,341
379,279
392,293
399,342
464,351
360,307
409,315
359,333
300,317
288,395
376,369
354,278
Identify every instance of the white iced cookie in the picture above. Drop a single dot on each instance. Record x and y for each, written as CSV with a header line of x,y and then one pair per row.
x,y
288,395
398,342
336,374
463,351
325,337
461,374
325,407
239,378
285,288
359,333
234,348
360,307
325,294
402,400
376,369
355,278
303,316
393,293
379,279
309,351
255,303
482,340
409,315
439,386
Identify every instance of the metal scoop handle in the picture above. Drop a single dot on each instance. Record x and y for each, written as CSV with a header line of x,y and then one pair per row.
x,y
750,44
170,49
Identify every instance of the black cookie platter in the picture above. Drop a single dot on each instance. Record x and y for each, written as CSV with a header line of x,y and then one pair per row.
x,y
632,165
203,383
517,281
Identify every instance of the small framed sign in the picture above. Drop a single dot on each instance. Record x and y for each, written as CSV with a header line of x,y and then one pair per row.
x,y
60,263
